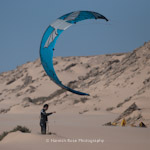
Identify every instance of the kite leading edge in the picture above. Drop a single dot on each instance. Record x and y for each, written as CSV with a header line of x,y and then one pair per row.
x,y
50,37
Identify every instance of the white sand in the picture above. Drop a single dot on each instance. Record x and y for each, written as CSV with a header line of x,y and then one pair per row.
x,y
110,79
70,131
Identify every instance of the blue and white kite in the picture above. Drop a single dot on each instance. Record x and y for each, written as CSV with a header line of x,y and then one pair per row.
x,y
50,37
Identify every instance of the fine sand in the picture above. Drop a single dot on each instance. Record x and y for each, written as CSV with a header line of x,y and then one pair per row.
x,y
118,85
72,131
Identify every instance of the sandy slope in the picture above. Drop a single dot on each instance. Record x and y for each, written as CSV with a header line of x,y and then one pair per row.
x,y
70,131
119,87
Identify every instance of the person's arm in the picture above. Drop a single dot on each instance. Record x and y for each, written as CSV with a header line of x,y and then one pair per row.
x,y
47,114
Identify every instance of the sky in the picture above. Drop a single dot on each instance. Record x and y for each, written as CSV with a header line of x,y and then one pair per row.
x,y
23,22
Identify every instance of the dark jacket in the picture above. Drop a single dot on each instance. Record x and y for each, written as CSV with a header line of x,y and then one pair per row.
x,y
44,116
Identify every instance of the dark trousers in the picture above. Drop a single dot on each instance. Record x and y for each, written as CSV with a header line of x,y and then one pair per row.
x,y
43,128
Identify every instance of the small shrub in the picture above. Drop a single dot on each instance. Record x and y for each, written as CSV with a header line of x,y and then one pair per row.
x,y
22,129
3,135
109,108
18,128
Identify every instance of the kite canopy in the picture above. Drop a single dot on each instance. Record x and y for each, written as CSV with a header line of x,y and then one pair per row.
x,y
49,39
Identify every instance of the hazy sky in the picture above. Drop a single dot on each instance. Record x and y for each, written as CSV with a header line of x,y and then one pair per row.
x,y
23,22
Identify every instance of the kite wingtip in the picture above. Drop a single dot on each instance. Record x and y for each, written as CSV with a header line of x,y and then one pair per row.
x,y
88,94
106,19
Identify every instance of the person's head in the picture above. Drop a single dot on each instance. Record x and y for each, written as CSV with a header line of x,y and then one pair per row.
x,y
45,106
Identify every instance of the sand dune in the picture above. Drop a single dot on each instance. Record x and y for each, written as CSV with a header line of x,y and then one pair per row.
x,y
118,85
74,131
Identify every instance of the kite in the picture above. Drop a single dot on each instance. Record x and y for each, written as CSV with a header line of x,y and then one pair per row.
x,y
50,37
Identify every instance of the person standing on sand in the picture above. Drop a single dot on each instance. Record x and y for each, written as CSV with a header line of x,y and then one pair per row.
x,y
44,119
